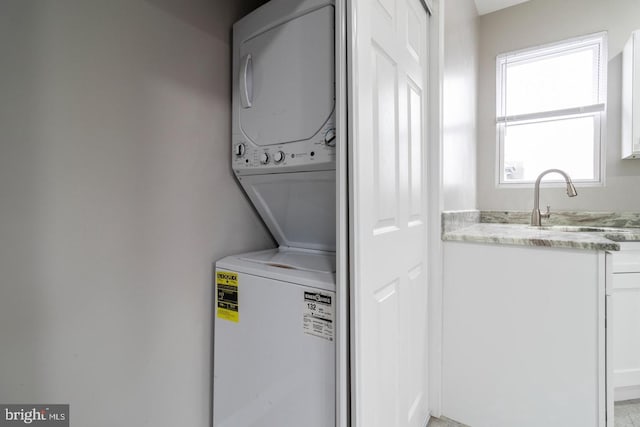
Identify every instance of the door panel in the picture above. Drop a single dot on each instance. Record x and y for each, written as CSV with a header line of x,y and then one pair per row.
x,y
386,304
385,173
388,222
626,330
388,6
416,176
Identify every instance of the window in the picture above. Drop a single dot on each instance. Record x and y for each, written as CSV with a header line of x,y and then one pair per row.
x,y
551,103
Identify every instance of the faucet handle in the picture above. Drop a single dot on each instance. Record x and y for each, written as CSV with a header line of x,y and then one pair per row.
x,y
547,214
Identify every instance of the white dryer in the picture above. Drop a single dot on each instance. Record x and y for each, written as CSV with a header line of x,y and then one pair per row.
x,y
274,353
283,118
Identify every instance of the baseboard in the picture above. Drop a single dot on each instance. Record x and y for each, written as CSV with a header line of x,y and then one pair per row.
x,y
626,393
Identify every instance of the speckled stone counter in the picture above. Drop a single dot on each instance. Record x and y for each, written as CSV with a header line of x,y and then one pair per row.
x,y
454,220
484,227
597,219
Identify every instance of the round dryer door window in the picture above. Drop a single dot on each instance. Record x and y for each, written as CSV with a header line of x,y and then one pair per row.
x,y
287,79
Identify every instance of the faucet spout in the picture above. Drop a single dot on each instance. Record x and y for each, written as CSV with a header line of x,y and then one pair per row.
x,y
536,216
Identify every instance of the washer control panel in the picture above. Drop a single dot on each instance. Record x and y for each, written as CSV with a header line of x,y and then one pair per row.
x,y
316,153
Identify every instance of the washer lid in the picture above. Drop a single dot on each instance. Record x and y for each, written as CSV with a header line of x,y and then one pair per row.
x,y
286,79
297,266
293,259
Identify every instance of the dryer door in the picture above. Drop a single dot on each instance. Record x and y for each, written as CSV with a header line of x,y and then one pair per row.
x,y
286,79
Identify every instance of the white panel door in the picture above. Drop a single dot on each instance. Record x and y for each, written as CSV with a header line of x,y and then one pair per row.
x,y
388,192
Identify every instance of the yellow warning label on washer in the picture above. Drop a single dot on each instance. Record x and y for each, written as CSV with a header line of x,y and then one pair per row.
x,y
227,295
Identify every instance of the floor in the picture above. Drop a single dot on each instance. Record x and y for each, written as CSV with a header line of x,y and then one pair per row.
x,y
627,413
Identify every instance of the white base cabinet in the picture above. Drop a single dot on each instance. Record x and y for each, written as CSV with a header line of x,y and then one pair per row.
x,y
523,336
623,317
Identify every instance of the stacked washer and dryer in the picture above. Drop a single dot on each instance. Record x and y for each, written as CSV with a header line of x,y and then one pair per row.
x,y
274,345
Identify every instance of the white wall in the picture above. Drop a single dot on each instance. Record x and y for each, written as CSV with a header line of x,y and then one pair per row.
x,y
459,105
537,22
116,196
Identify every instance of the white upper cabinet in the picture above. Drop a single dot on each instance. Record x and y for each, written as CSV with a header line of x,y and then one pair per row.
x,y
631,98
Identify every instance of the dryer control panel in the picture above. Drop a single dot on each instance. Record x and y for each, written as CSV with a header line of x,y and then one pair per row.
x,y
283,89
317,153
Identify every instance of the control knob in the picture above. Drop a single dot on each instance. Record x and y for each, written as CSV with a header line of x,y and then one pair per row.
x,y
278,157
264,158
239,150
330,138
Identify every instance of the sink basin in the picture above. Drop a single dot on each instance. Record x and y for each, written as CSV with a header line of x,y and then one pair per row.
x,y
578,229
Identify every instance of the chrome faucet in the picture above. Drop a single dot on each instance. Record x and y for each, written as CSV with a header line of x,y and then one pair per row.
x,y
536,216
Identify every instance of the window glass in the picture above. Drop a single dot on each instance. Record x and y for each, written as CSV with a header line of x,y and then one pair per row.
x,y
550,110
527,146
551,83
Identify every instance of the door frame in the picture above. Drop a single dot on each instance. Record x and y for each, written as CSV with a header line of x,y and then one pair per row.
x,y
436,203
343,342
346,26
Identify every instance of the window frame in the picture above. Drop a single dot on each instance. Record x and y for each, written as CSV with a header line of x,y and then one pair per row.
x,y
598,111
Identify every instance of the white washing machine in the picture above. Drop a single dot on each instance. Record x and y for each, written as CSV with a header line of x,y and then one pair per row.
x,y
274,353
274,339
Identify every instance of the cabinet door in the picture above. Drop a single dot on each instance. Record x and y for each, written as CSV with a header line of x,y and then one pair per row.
x,y
631,98
609,387
625,331
636,94
523,336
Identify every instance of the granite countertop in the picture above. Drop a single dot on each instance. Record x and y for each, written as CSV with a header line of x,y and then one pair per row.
x,y
466,227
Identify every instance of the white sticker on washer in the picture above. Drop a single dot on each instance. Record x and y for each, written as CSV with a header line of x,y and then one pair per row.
x,y
318,315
